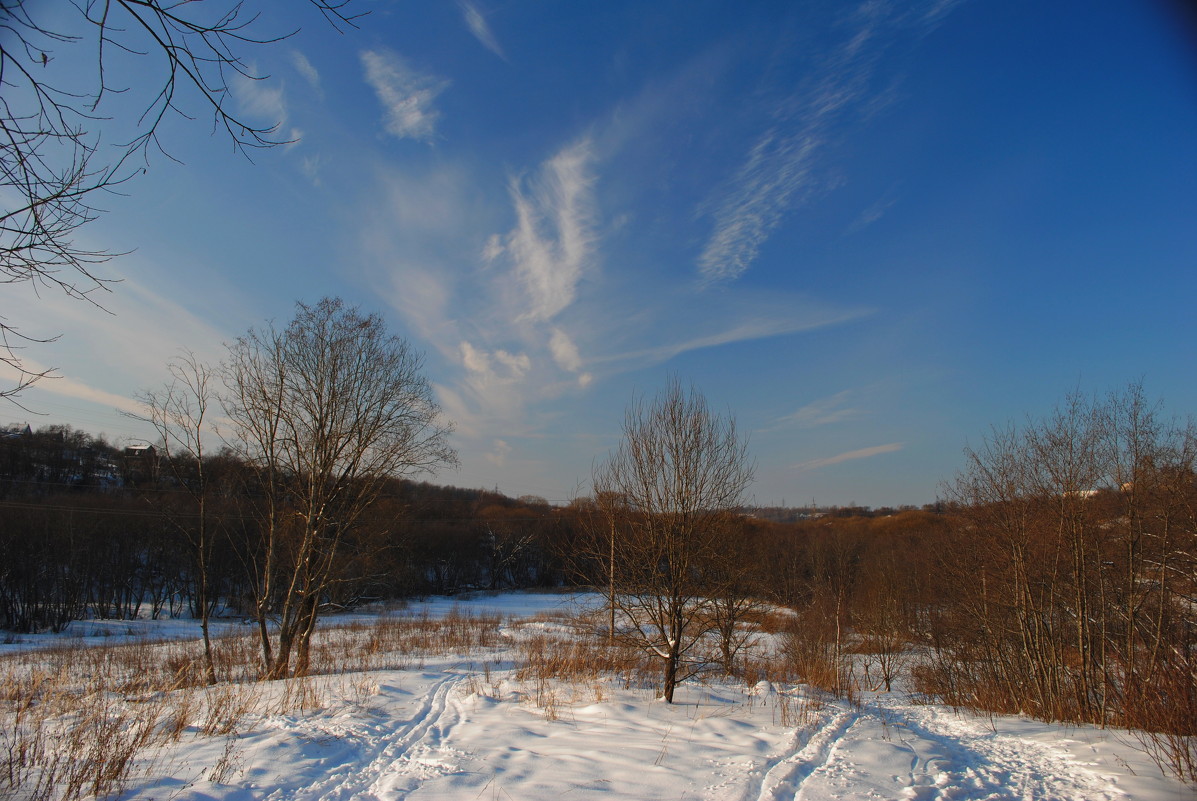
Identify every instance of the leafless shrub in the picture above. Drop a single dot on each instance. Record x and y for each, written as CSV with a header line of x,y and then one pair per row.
x,y
227,762
1165,717
797,710
58,742
813,652
225,705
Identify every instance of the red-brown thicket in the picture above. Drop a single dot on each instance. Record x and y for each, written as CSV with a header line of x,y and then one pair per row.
x,y
1068,586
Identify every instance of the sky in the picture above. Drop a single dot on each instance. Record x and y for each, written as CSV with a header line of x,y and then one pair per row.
x,y
867,231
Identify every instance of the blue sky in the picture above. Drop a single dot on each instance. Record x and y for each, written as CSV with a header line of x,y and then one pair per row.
x,y
867,230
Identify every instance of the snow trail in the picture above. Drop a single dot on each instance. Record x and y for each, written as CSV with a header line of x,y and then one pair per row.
x,y
435,733
374,761
957,757
809,751
891,749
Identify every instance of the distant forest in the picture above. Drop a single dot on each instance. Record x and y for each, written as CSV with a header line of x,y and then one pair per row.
x,y
1058,578
92,529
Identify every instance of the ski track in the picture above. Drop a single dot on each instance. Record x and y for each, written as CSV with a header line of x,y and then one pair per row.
x,y
972,762
381,761
807,753
924,754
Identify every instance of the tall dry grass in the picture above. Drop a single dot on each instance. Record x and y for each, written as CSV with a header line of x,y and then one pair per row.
x,y
79,721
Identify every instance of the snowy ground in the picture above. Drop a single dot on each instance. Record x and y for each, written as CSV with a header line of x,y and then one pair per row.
x,y
462,727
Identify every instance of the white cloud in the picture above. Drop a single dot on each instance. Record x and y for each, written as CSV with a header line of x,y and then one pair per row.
x,y
565,352
261,101
552,243
474,360
678,322
105,356
781,169
305,68
777,167
821,412
67,387
489,370
466,422
498,453
406,95
517,364
481,29
310,165
872,214
862,453
493,249
135,333
566,356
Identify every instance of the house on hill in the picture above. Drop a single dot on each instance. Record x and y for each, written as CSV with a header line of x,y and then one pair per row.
x,y
140,464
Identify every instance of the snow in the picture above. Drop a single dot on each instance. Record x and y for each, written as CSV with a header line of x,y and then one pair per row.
x,y
462,726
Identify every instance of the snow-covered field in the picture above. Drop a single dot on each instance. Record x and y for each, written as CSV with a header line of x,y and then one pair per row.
x,y
463,726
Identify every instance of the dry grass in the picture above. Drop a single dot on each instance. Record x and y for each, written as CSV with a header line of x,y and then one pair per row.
x,y
797,710
391,643
79,721
63,740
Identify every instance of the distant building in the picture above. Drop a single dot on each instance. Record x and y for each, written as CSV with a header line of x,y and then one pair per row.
x,y
140,464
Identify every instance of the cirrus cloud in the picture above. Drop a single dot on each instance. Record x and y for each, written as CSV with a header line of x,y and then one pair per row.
x,y
405,93
848,456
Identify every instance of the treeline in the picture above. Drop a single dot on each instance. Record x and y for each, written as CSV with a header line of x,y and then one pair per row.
x,y
1057,578
1070,588
87,529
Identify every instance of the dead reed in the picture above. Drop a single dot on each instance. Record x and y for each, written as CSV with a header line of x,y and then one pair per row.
x,y
79,721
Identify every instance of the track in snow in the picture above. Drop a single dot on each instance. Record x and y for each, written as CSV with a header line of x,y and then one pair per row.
x,y
892,749
383,761
808,752
957,757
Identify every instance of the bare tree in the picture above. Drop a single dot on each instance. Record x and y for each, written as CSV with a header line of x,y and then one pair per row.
x,y
670,487
326,410
152,59
735,593
181,414
1073,569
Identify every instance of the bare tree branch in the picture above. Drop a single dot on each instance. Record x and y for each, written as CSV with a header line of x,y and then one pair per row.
x,y
669,492
53,163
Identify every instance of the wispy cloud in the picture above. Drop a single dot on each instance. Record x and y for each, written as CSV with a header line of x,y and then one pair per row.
x,y
111,354
481,29
566,355
498,453
68,387
552,243
304,67
491,368
673,322
777,168
406,94
310,166
872,214
491,301
862,453
261,101
781,169
821,412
